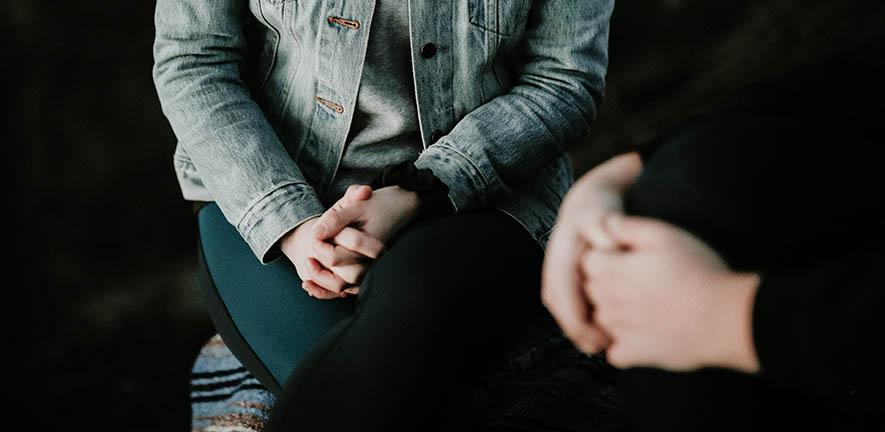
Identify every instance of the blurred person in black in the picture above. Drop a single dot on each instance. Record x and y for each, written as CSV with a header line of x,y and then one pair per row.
x,y
733,269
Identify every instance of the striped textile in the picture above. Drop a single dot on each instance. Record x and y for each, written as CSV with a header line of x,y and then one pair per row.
x,y
225,397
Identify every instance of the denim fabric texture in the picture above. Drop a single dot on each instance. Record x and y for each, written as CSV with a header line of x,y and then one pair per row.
x,y
261,94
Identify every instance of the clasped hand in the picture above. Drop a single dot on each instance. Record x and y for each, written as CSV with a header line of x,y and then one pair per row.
x,y
333,252
644,291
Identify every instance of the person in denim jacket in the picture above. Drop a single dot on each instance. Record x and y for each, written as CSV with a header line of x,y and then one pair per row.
x,y
458,113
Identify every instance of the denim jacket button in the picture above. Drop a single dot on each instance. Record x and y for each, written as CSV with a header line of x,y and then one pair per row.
x,y
435,136
428,50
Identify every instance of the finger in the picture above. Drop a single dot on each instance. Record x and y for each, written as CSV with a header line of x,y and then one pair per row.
x,y
592,230
324,277
598,267
634,231
334,220
358,193
620,171
563,295
359,242
352,274
586,212
353,290
593,341
319,292
332,255
560,277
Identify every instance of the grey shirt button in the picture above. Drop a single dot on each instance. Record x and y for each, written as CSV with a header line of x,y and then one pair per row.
x,y
428,50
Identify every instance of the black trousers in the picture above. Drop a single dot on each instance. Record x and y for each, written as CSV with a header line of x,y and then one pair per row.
x,y
449,297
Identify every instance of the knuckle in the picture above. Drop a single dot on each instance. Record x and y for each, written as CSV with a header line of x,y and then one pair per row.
x,y
308,271
318,250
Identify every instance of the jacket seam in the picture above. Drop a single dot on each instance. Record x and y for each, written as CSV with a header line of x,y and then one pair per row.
x,y
184,161
258,205
484,189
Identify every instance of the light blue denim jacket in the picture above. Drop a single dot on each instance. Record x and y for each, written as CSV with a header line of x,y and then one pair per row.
x,y
261,93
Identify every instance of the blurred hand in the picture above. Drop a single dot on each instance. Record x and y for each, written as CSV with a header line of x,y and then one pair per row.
x,y
668,301
578,227
358,226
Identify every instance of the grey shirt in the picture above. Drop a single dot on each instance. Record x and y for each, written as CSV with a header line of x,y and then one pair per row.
x,y
385,122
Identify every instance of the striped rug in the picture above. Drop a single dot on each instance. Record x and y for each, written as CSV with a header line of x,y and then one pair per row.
x,y
225,397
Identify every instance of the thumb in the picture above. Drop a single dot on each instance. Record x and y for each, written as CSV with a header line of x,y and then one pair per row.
x,y
342,213
621,171
358,192
633,231
333,221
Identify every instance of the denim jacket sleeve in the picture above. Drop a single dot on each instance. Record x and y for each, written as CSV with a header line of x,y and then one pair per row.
x,y
199,50
552,104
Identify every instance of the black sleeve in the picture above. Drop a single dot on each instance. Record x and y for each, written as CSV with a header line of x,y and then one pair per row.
x,y
787,182
818,329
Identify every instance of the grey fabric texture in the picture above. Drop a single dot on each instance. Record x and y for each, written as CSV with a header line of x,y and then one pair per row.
x,y
385,124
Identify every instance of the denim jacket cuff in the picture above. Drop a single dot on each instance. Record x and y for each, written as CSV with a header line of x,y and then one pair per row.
x,y
469,185
274,215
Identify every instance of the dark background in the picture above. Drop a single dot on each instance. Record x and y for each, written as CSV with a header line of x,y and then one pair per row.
x,y
103,251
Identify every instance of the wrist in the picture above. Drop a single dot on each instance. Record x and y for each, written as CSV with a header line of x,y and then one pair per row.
x,y
411,201
428,195
411,197
300,229
738,350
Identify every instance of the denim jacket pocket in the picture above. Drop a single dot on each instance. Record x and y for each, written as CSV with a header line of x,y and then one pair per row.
x,y
269,72
502,17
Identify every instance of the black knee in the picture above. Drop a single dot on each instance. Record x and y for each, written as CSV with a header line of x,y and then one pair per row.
x,y
449,261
